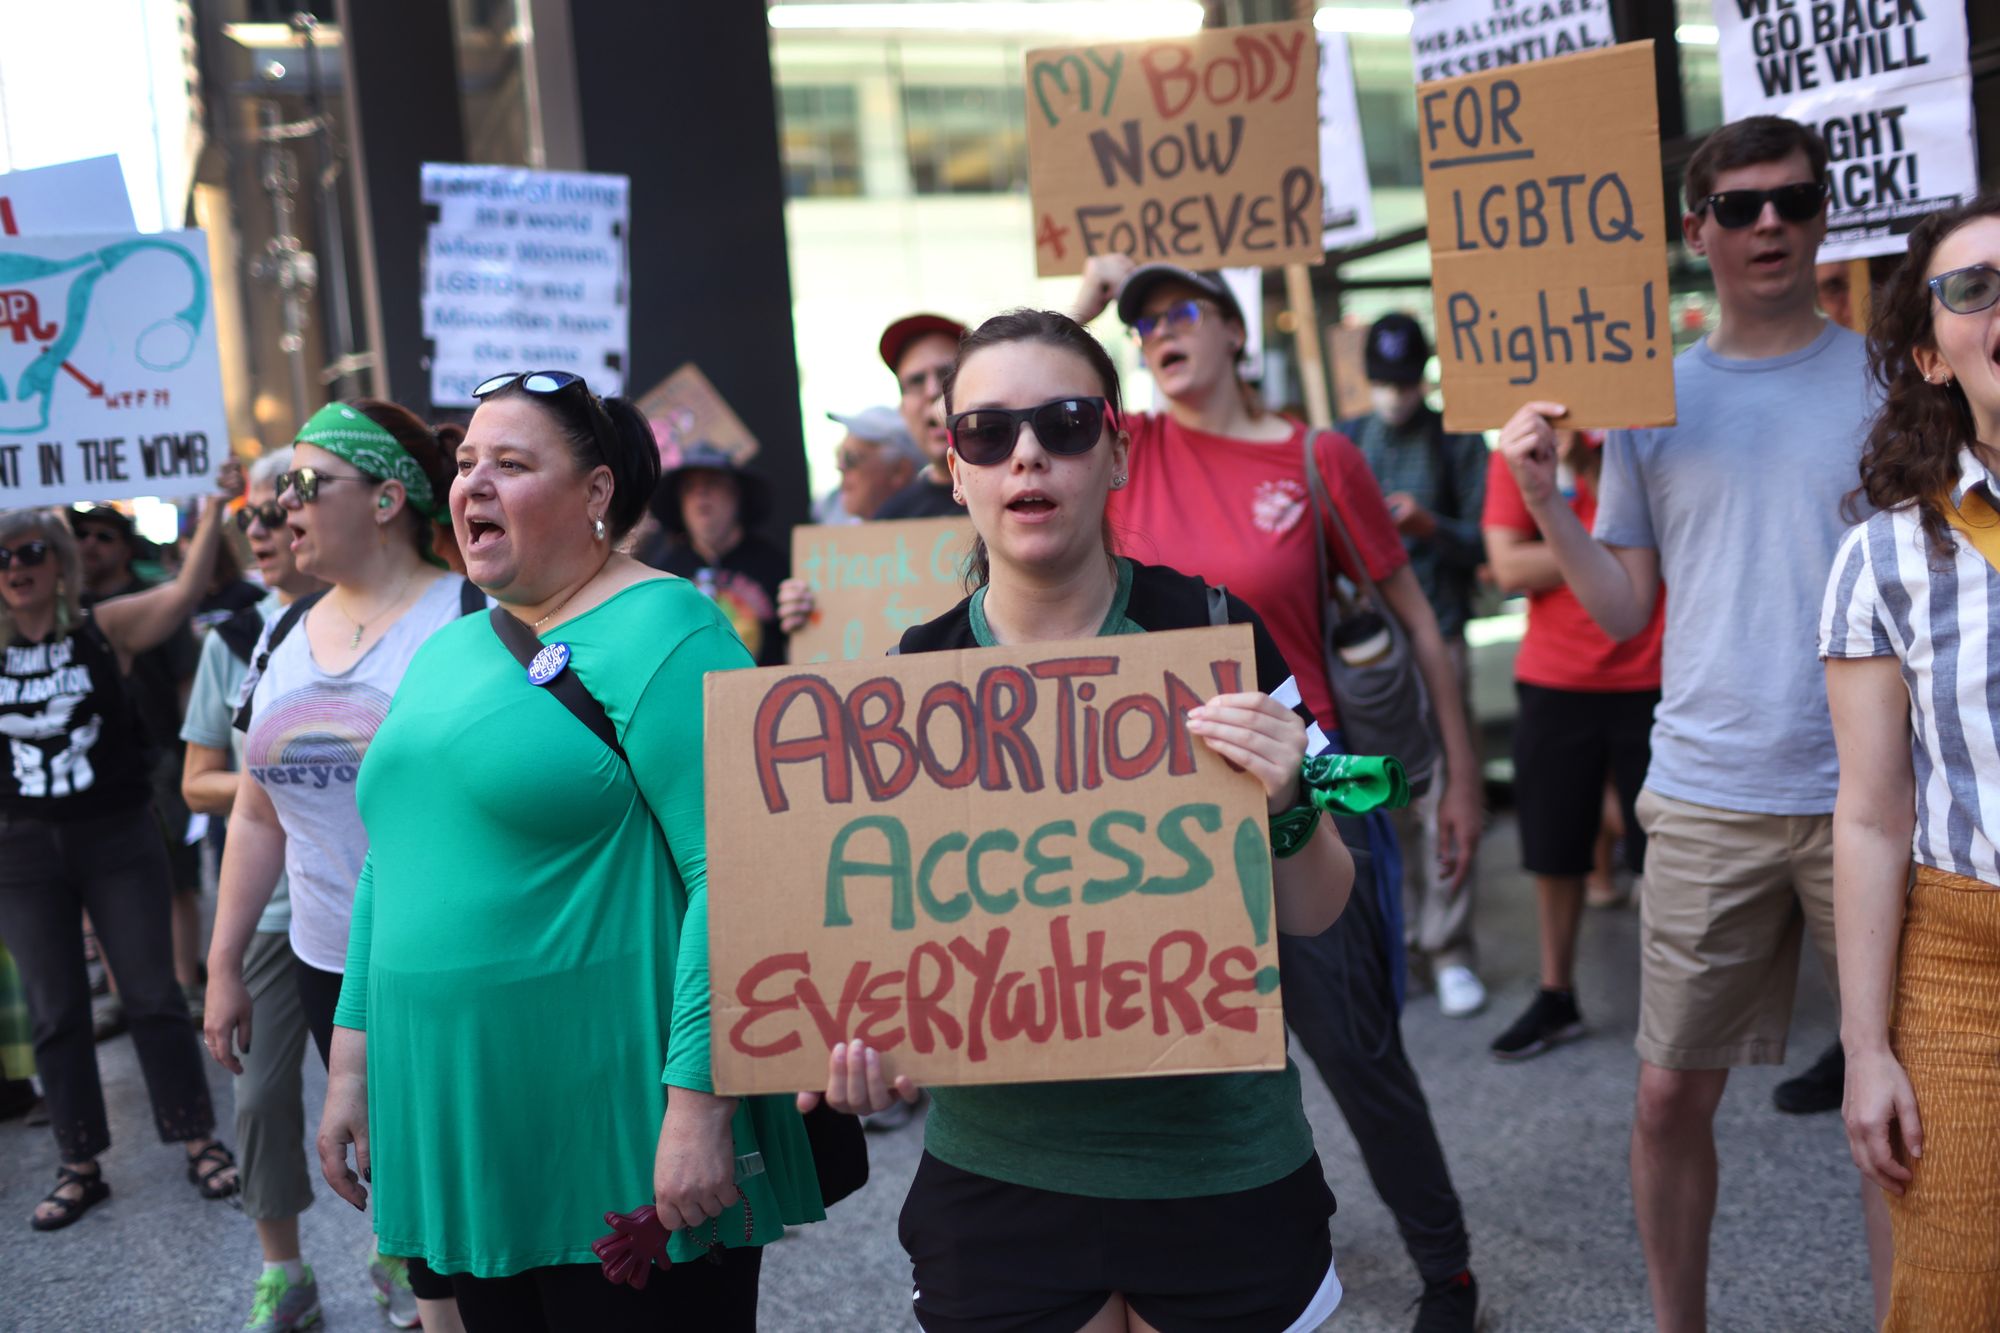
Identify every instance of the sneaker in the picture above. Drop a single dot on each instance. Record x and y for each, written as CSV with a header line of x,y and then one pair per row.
x,y
1551,1020
391,1277
1818,1089
1449,1306
1460,994
283,1304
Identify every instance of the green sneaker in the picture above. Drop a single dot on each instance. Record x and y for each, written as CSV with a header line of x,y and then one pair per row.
x,y
282,1304
391,1277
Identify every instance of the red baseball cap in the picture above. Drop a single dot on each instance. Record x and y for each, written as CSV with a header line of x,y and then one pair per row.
x,y
896,339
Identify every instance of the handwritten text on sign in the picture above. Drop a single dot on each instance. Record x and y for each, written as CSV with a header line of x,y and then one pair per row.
x,y
109,382
1201,150
1001,865
872,581
1549,269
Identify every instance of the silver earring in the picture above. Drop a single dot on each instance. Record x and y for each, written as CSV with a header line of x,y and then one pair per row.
x,y
597,527
1118,483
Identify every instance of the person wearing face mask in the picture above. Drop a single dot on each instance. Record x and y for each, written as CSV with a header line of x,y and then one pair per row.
x,y
1435,485
706,506
1912,654
1217,488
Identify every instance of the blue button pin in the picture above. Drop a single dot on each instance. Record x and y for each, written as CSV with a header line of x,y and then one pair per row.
x,y
548,664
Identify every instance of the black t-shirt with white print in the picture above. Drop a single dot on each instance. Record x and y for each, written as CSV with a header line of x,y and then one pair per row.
x,y
74,750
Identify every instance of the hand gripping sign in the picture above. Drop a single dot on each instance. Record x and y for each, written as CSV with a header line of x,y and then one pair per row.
x,y
995,866
1548,254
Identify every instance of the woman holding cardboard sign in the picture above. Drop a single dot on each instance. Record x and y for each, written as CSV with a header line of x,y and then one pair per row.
x,y
1912,655
1192,1202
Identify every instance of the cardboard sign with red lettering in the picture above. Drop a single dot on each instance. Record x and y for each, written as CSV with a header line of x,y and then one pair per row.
x,y
1201,151
872,581
1002,865
1548,240
686,410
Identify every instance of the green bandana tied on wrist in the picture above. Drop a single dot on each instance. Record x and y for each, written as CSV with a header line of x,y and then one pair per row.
x,y
354,436
1345,784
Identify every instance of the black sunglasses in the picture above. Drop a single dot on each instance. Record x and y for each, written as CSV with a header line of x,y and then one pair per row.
x,y
271,514
548,384
1066,426
28,554
1736,209
1967,291
306,481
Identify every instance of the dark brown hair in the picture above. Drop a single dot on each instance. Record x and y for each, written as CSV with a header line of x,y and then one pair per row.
x,y
611,432
1745,143
1053,329
1912,450
433,450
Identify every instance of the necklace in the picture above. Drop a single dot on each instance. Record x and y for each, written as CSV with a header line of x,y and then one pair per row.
x,y
537,626
361,626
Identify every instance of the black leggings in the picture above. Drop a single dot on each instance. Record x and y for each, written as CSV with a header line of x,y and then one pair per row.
x,y
319,995
699,1297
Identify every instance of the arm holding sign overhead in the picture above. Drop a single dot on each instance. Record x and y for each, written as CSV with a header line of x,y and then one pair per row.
x,y
143,620
1616,584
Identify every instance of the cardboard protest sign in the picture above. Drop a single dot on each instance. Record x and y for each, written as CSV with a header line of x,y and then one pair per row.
x,y
1347,210
1348,346
685,409
1202,151
1548,259
109,383
1005,865
524,270
1451,38
70,198
872,581
1888,84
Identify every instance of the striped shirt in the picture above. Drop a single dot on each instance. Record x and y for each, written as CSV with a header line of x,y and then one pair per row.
x,y
1885,598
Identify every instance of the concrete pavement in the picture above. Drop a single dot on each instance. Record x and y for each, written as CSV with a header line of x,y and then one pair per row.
x,y
1537,1151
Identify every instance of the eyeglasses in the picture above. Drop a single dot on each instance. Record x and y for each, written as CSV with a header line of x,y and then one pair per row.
x,y
1735,209
1967,291
28,554
1066,426
1176,318
306,481
848,459
271,514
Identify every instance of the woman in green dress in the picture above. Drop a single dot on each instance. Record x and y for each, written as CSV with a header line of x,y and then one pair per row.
x,y
529,943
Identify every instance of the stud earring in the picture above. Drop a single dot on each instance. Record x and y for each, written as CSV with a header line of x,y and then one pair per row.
x,y
597,528
957,496
1118,483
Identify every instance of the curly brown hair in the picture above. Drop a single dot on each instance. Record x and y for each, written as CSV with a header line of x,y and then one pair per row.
x,y
1912,452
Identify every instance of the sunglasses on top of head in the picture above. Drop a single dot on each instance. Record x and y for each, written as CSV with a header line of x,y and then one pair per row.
x,y
28,554
270,513
549,384
1064,426
1736,209
1967,291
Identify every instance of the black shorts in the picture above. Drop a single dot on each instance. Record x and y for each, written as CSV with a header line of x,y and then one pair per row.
x,y
990,1257
1566,743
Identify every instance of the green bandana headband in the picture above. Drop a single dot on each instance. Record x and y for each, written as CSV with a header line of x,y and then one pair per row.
x,y
354,436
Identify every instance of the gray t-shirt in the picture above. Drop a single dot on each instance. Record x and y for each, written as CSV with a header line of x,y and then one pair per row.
x,y
211,710
1742,499
309,731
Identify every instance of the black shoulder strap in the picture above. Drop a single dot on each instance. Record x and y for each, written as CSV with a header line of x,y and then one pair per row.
x,y
293,615
240,633
471,598
1444,468
521,642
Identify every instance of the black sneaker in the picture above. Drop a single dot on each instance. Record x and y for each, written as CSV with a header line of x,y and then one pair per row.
x,y
1449,1306
1551,1020
1818,1089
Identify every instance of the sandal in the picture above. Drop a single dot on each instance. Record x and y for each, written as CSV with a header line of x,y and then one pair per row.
x,y
217,1159
95,1191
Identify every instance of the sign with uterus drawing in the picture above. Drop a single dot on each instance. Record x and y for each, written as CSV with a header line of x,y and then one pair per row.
x,y
110,386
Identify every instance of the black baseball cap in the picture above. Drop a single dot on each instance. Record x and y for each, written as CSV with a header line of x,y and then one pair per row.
x,y
1132,296
1396,351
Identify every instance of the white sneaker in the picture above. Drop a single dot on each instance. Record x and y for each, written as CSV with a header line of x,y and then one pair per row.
x,y
1460,994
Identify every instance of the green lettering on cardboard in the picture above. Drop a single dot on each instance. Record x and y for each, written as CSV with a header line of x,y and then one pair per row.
x,y
1041,864
993,840
946,910
902,906
1175,839
1103,890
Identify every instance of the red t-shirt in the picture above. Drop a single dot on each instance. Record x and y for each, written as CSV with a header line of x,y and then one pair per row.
x,y
1236,513
1563,648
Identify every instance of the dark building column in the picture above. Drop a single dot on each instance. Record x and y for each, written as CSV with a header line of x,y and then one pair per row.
x,y
679,97
402,111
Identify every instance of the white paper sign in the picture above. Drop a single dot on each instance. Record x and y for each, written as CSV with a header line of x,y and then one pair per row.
x,y
525,270
1453,37
1247,286
1886,82
1349,216
70,199
109,383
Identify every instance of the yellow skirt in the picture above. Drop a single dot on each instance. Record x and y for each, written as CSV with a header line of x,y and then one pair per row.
x,y
1946,1033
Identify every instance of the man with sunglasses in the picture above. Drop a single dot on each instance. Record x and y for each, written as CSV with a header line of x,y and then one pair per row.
x,y
1738,505
919,351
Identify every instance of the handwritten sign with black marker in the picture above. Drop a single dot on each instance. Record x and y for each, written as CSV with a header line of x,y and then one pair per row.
x,y
1003,865
1548,259
1201,151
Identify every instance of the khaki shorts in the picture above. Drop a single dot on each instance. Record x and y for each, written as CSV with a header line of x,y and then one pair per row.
x,y
1728,896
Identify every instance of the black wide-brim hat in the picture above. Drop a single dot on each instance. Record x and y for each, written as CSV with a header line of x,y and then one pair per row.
x,y
754,493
